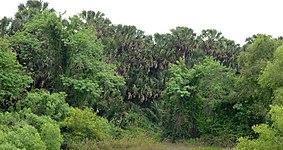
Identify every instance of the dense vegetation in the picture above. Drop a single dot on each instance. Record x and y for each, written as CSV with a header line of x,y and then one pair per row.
x,y
85,83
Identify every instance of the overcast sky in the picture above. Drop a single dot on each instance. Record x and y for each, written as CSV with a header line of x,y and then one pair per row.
x,y
236,19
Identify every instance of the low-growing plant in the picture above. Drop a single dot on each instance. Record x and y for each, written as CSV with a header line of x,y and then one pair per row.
x,y
269,137
25,130
43,103
130,141
86,124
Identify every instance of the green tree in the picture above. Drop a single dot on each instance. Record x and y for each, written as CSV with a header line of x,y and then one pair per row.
x,y
64,55
272,75
215,85
250,101
13,79
130,50
188,96
40,48
88,79
26,12
212,43
256,56
269,137
102,24
4,26
182,105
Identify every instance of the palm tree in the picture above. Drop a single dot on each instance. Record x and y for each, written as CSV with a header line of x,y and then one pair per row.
x,y
214,44
4,26
26,12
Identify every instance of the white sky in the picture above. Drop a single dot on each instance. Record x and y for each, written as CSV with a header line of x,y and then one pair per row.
x,y
236,19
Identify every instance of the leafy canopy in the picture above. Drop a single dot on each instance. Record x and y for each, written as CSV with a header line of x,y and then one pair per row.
x,y
13,79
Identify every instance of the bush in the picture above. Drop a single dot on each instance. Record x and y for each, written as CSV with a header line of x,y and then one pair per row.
x,y
25,130
43,103
21,137
86,124
269,137
51,136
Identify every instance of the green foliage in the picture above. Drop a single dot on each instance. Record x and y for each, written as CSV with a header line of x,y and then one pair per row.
x,y
188,92
219,78
86,124
13,79
133,140
35,120
25,130
269,137
41,49
25,137
64,55
133,80
4,26
79,88
130,49
51,136
26,12
249,103
212,43
98,19
258,53
48,129
139,120
88,78
17,133
215,85
278,97
43,103
272,75
182,105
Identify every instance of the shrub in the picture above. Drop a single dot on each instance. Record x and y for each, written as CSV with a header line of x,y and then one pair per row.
x,y
51,136
86,124
21,137
269,137
25,130
43,103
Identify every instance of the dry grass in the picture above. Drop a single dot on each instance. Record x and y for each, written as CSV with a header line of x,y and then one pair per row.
x,y
171,146
140,142
148,144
